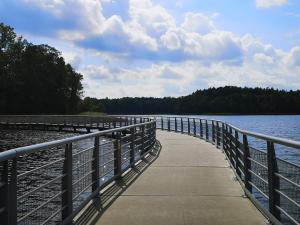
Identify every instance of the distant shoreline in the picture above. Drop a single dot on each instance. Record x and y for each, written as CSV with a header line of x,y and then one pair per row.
x,y
210,114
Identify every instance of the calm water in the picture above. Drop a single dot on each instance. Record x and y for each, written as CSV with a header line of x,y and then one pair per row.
x,y
284,126
17,138
287,126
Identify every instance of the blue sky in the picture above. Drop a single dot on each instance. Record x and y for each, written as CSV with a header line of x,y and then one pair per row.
x,y
166,48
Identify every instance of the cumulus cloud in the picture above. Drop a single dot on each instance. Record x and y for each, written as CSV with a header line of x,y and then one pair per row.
x,y
261,58
153,18
293,57
171,40
270,3
197,22
148,50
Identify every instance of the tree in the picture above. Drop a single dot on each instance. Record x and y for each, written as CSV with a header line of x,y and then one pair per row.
x,y
35,78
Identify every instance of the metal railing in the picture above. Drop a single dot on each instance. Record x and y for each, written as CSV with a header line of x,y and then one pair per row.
x,y
67,122
273,184
49,183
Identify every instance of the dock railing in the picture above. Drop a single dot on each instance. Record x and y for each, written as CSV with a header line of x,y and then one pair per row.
x,y
67,122
49,183
272,183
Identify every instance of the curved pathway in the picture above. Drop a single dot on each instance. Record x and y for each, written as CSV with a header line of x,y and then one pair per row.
x,y
190,183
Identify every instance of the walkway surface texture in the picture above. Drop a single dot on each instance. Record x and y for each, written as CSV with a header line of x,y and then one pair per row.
x,y
189,183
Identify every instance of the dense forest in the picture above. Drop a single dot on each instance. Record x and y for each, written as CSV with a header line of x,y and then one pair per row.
x,y
223,100
34,79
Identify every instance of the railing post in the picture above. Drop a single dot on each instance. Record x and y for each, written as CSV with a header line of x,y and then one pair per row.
x,y
273,180
231,148
132,152
206,130
143,139
169,124
175,124
201,129
247,164
162,123
189,126
218,134
226,140
194,124
67,198
237,164
118,156
213,132
95,165
181,121
223,136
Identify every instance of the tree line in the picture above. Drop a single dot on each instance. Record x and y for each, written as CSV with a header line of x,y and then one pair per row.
x,y
35,79
222,100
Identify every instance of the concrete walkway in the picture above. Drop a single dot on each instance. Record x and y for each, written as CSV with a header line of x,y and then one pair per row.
x,y
189,183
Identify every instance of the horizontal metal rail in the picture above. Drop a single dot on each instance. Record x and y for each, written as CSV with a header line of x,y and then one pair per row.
x,y
55,189
242,151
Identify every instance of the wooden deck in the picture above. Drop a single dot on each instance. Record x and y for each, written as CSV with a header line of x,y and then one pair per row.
x,y
189,183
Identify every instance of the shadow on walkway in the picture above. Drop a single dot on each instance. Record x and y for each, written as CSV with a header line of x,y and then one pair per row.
x,y
93,212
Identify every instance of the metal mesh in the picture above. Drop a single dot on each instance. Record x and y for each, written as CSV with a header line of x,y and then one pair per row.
x,y
82,170
292,173
106,163
39,182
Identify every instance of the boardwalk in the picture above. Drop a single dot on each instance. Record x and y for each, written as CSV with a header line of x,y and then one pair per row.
x,y
189,183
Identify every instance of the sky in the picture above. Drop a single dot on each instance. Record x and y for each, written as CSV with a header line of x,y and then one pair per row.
x,y
133,48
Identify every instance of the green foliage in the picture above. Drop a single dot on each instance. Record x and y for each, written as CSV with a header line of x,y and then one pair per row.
x,y
91,105
34,79
223,100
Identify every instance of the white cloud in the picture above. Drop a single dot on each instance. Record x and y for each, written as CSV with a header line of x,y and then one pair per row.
x,y
197,22
219,45
171,40
293,57
261,58
153,18
150,55
270,3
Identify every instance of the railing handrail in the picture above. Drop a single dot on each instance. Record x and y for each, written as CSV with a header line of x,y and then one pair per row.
x,y
15,152
77,171
251,162
278,140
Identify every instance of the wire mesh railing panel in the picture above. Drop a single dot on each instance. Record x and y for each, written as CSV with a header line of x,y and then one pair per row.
x,y
82,169
289,189
49,183
107,158
262,169
39,182
125,154
259,175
